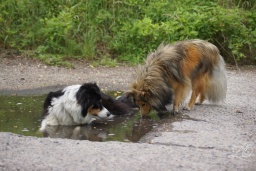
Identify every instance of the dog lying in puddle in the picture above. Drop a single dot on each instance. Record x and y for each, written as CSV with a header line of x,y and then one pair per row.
x,y
81,104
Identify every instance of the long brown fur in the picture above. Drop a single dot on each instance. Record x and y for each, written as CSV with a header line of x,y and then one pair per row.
x,y
173,70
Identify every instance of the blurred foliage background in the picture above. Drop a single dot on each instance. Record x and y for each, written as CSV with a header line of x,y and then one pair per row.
x,y
107,32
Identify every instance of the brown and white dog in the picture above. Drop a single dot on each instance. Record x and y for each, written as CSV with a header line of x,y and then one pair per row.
x,y
173,70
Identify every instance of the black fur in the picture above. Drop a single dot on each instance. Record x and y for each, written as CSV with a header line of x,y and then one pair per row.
x,y
48,101
115,107
127,100
89,95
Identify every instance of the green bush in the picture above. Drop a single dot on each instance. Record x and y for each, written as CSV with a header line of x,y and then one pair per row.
x,y
108,31
232,30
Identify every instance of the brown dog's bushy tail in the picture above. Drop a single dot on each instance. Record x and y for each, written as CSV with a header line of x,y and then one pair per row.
x,y
217,86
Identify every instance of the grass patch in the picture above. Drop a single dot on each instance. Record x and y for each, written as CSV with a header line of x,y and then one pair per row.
x,y
108,31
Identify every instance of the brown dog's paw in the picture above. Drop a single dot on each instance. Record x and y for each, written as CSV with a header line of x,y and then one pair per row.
x,y
175,112
186,108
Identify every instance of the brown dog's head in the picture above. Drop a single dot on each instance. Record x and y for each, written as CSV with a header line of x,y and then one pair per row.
x,y
140,98
149,96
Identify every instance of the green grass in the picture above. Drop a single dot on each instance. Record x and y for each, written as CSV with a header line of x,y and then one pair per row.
x,y
108,32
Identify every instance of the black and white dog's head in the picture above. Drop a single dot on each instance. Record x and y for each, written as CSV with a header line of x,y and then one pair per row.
x,y
89,98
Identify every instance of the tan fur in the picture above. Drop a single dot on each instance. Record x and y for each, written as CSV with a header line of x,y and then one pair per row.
x,y
93,111
172,70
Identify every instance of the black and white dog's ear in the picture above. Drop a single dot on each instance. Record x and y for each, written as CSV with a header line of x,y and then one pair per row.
x,y
89,96
85,104
85,108
83,99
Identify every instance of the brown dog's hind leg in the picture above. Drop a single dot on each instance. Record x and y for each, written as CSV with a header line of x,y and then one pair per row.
x,y
198,87
192,100
179,95
201,99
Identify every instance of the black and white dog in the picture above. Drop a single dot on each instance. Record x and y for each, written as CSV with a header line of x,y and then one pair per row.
x,y
80,104
74,105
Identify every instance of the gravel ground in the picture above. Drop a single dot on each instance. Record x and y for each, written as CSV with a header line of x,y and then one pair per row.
x,y
213,137
21,75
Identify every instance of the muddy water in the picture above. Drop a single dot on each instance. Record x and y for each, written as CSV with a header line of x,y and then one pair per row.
x,y
22,115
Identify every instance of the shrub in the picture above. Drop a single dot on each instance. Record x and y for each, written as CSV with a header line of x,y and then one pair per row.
x,y
232,30
110,31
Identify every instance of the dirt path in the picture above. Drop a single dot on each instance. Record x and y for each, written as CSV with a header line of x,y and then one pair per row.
x,y
26,76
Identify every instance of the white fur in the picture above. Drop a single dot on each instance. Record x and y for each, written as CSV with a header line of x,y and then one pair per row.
x,y
103,113
66,111
217,88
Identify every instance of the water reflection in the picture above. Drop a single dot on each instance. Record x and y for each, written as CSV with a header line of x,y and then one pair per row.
x,y
85,132
140,128
128,128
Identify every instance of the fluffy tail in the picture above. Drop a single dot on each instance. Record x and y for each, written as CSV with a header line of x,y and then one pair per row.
x,y
217,86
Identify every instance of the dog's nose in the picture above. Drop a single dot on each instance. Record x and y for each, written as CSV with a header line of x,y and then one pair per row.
x,y
108,114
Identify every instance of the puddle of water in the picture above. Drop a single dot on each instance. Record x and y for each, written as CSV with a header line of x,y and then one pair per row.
x,y
22,115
